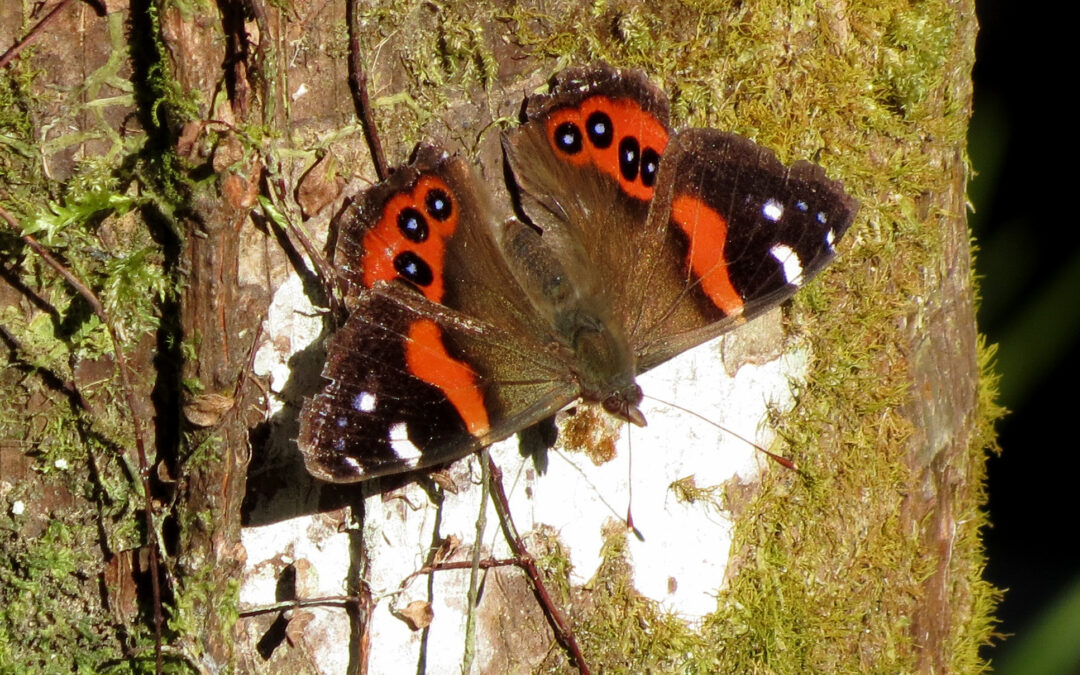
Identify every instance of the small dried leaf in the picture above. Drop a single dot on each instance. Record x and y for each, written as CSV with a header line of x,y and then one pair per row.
x,y
297,624
122,586
164,474
206,410
444,480
319,186
446,549
417,615
307,579
189,134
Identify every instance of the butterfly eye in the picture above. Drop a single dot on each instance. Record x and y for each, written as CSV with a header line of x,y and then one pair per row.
x,y
568,138
629,157
412,267
438,204
412,225
650,166
598,126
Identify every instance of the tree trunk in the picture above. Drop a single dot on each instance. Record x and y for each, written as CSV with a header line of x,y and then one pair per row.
x,y
197,136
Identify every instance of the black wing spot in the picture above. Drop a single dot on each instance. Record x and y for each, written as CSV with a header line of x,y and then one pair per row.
x,y
413,225
568,138
413,268
629,158
650,166
438,204
599,129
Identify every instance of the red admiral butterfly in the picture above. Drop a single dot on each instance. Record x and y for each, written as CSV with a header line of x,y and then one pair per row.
x,y
633,243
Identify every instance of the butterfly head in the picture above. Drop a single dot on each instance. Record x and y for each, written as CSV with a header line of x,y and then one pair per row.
x,y
624,404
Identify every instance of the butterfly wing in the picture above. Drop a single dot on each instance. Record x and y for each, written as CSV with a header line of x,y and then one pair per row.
x,y
585,162
442,353
688,233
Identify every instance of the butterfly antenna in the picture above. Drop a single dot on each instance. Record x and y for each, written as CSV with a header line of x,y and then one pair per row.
x,y
779,459
630,483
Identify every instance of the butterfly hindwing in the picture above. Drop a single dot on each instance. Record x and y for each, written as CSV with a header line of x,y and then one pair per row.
x,y
374,416
747,231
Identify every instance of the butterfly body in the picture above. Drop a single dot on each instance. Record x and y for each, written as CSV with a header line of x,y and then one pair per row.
x,y
632,243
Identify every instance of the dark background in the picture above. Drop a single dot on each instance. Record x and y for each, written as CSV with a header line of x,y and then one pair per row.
x,y
1027,230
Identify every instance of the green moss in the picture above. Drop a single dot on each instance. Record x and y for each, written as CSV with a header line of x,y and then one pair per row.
x,y
625,632
917,43
687,491
200,590
49,622
83,195
553,559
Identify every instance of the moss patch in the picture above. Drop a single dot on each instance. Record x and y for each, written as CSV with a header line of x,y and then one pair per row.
x,y
829,577
74,169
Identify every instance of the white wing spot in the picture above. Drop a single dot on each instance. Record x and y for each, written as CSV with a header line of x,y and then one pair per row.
x,y
364,402
353,464
405,449
772,210
341,422
801,205
830,238
789,261
822,218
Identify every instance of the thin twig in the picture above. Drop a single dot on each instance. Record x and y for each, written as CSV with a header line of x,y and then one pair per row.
x,y
332,281
484,564
563,631
358,87
474,572
32,35
326,601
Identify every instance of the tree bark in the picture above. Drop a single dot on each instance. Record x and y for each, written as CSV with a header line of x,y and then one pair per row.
x,y
868,558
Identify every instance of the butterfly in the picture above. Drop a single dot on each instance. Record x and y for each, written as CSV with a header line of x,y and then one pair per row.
x,y
628,243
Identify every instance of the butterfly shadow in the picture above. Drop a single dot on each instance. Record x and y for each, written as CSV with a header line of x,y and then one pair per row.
x,y
279,486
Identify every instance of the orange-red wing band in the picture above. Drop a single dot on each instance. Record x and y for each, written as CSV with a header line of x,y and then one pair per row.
x,y
384,241
426,358
628,119
706,230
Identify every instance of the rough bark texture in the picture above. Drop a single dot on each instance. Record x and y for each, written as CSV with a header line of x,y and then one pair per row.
x,y
219,317
243,98
942,346
944,410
